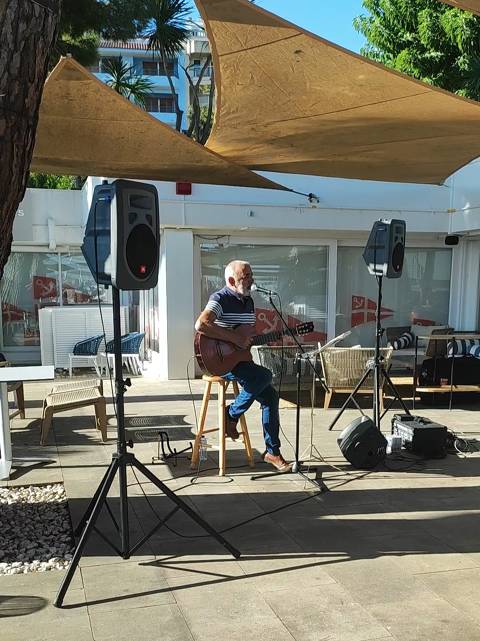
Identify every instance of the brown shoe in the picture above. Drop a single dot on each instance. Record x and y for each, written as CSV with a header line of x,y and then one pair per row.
x,y
231,426
278,462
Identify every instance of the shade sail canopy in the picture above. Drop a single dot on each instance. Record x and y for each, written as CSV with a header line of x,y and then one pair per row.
x,y
290,101
467,5
86,128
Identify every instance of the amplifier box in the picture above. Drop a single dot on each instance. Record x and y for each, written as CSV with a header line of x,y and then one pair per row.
x,y
421,435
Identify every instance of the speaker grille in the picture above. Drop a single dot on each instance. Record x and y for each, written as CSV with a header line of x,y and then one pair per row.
x,y
397,257
141,251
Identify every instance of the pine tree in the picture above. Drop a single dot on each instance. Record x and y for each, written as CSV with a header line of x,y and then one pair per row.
x,y
425,39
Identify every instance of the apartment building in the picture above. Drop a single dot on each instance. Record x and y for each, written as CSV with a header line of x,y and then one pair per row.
x,y
147,63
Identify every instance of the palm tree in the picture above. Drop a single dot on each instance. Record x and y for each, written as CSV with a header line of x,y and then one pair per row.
x,y
126,82
167,32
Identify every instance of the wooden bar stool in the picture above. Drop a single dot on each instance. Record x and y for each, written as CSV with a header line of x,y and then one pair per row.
x,y
222,389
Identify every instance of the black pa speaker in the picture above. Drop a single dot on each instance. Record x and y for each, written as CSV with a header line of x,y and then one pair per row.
x,y
385,249
452,240
362,444
122,237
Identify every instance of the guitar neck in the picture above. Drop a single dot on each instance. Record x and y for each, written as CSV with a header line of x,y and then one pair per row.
x,y
262,339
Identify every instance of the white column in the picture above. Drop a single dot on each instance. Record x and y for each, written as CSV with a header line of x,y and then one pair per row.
x,y
176,303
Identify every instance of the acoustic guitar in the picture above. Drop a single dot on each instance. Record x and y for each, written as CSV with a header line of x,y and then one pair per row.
x,y
216,357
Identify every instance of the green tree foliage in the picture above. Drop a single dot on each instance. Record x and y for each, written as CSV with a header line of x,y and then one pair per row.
x,y
83,22
167,31
124,80
425,39
52,181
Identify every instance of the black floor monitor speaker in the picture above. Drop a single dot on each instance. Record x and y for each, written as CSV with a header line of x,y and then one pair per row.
x,y
362,444
385,249
122,238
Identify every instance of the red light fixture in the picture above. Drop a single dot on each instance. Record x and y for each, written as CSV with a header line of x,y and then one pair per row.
x,y
184,189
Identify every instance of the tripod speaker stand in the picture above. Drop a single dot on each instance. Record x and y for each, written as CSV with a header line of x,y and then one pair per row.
x,y
384,255
121,247
380,374
120,460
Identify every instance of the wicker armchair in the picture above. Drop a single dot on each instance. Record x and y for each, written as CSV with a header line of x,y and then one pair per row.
x,y
344,367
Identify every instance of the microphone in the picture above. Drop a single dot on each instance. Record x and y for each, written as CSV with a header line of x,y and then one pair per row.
x,y
262,290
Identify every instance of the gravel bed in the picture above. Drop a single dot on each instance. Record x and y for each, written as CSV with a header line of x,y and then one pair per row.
x,y
35,529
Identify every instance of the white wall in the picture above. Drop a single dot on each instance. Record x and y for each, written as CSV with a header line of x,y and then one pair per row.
x,y
176,303
63,207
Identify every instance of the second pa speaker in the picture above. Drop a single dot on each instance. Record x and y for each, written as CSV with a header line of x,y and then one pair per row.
x,y
122,237
362,444
385,249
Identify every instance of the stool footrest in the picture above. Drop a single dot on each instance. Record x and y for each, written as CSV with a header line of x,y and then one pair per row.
x,y
222,386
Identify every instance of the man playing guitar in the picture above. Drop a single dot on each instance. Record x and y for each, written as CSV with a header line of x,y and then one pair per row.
x,y
226,309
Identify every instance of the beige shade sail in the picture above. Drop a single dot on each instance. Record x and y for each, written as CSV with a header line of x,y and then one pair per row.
x,y
290,101
468,5
86,128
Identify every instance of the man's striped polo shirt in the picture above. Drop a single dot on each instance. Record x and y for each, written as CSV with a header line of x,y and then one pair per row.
x,y
231,309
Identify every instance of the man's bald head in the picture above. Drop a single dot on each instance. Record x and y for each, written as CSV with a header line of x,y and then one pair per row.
x,y
239,277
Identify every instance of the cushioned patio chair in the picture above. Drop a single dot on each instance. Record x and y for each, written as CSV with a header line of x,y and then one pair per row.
x,y
343,367
86,350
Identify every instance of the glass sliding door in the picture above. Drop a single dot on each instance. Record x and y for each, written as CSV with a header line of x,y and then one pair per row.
x,y
298,273
420,296
33,280
30,282
78,284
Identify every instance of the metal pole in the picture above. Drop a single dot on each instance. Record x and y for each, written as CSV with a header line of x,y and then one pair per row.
x,y
377,365
120,412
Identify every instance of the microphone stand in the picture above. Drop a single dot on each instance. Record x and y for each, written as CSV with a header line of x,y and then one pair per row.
x,y
297,467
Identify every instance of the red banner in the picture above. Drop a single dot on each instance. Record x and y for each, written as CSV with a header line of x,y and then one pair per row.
x,y
44,287
268,321
363,311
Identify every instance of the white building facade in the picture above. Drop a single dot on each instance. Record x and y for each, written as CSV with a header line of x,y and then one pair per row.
x,y
310,253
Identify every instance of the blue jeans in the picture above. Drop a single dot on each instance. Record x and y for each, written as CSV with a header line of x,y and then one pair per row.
x,y
256,382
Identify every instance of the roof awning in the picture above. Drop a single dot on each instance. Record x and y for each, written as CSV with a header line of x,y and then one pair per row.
x,y
467,5
290,101
86,128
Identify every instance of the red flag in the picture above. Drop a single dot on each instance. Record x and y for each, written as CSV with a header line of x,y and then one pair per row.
x,y
363,311
44,287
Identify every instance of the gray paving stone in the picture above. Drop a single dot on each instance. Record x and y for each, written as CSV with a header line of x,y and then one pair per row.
x,y
302,571
324,612
125,586
232,610
421,553
378,580
460,588
424,617
384,555
49,622
153,623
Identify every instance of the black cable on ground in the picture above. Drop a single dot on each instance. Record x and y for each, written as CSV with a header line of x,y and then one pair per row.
x,y
228,529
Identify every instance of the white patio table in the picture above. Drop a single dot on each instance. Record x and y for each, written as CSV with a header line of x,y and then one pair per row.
x,y
7,375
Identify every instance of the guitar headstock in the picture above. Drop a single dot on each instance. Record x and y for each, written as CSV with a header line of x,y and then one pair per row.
x,y
304,328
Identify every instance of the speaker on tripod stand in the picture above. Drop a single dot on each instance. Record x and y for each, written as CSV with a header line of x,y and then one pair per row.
x,y
384,254
121,247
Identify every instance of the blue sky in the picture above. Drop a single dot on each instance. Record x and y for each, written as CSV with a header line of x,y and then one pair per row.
x,y
331,19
